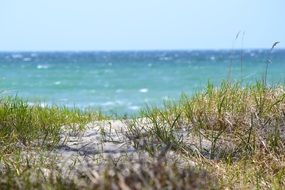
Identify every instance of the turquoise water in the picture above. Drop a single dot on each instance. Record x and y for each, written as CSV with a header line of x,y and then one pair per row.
x,y
125,81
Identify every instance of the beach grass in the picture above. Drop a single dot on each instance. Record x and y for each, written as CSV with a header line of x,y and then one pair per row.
x,y
25,132
237,133
24,124
233,134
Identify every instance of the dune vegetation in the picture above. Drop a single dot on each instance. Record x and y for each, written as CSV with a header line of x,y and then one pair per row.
x,y
229,137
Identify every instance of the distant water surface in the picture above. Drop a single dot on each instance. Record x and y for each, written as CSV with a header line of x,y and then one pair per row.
x,y
123,82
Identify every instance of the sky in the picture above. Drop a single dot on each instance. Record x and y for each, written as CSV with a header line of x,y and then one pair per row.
x,y
92,25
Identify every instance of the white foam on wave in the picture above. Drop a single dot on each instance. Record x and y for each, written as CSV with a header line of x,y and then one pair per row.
x,y
108,103
165,98
119,102
34,55
213,58
119,90
26,59
108,71
143,90
91,104
165,58
43,105
30,103
115,103
17,56
134,107
42,66
57,83
146,100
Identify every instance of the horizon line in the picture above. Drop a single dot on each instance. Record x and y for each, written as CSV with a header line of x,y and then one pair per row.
x,y
143,50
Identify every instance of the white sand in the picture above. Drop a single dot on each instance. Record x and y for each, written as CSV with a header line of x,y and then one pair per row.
x,y
102,142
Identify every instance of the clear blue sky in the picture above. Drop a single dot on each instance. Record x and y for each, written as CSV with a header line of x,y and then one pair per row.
x,y
43,25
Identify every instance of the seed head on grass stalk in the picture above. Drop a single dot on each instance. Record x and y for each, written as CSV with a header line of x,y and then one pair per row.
x,y
269,60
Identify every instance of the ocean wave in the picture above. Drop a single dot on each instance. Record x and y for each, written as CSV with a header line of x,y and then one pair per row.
x,y
119,90
57,83
143,90
212,58
17,56
27,59
134,107
34,55
108,103
42,66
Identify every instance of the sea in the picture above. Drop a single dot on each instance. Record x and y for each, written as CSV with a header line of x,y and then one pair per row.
x,y
123,82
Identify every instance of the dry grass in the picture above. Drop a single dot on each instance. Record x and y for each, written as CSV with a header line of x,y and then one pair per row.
x,y
244,131
233,134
